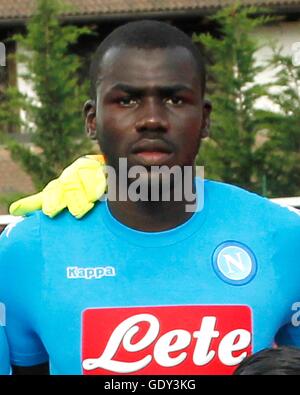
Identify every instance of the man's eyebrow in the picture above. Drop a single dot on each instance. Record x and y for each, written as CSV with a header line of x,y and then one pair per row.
x,y
167,89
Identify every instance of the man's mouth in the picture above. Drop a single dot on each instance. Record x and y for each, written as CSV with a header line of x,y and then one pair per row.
x,y
152,152
153,158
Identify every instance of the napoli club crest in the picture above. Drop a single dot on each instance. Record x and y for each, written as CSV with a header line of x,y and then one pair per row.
x,y
234,263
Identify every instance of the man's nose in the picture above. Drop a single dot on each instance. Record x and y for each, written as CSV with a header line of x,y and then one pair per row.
x,y
152,117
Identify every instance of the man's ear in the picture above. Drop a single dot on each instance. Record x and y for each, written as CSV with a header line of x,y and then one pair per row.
x,y
207,108
89,113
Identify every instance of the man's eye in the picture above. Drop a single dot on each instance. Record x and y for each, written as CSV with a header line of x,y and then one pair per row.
x,y
127,101
177,101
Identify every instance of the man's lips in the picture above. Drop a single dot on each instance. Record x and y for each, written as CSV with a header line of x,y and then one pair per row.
x,y
153,157
148,145
152,152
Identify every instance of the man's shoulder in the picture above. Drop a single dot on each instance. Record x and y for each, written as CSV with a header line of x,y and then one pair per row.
x,y
218,190
65,220
20,253
37,228
234,190
240,200
21,228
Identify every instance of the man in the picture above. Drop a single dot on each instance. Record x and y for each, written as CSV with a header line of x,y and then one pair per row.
x,y
145,286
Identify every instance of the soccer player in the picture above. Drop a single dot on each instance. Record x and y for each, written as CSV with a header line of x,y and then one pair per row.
x,y
147,284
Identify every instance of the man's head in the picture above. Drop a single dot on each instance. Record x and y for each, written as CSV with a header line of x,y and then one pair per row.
x,y
148,82
283,360
145,34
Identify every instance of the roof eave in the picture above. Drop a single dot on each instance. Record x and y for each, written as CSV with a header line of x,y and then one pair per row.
x,y
113,16
92,18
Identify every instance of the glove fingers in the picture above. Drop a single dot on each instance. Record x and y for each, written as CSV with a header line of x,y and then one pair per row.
x,y
93,182
83,183
77,202
77,188
26,205
60,194
53,199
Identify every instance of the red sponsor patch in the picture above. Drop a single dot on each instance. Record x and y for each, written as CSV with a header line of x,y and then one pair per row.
x,y
166,340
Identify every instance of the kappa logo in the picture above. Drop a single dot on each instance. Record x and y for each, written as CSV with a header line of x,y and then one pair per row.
x,y
234,263
89,273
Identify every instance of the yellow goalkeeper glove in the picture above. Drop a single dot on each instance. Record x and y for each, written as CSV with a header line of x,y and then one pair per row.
x,y
77,188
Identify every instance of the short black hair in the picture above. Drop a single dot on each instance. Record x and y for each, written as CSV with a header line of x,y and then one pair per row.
x,y
146,34
283,360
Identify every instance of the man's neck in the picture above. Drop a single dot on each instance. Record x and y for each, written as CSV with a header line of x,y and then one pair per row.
x,y
151,216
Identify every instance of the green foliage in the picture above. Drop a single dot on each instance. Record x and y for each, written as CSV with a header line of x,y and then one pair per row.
x,y
53,116
229,154
8,198
11,101
280,155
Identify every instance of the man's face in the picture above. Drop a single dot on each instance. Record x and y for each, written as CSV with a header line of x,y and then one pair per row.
x,y
149,107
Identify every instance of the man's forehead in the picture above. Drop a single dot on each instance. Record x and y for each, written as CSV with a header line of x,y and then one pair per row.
x,y
138,66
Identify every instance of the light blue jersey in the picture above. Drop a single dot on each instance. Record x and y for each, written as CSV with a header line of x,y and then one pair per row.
x,y
4,353
96,297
